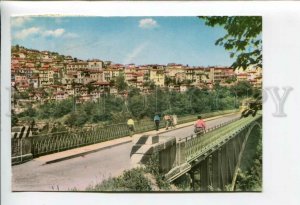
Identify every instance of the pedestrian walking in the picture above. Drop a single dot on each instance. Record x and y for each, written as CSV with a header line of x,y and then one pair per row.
x,y
168,120
130,124
174,120
156,121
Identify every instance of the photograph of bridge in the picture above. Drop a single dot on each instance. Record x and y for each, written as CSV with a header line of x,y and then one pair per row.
x,y
136,104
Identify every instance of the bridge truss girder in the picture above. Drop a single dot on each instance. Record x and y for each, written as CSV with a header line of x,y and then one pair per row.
x,y
218,170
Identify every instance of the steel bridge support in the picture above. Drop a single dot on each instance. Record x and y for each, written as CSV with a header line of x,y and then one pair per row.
x,y
218,170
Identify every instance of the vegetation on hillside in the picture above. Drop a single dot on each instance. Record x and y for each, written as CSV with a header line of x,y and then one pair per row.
x,y
138,105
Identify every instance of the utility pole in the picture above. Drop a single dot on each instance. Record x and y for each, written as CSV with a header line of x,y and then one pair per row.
x,y
216,99
103,103
235,98
99,99
247,92
170,102
155,98
74,100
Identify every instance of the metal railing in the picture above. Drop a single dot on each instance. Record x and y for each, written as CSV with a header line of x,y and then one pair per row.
x,y
56,142
197,144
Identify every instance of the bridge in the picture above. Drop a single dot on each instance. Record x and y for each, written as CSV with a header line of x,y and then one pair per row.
x,y
31,146
211,160
178,156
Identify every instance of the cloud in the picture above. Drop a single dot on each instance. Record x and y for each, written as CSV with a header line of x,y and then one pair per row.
x,y
27,32
71,35
147,23
55,33
60,32
19,21
136,51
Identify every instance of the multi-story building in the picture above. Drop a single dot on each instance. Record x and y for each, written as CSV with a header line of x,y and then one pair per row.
x,y
26,71
95,64
220,74
74,66
46,69
110,74
34,81
173,69
21,80
157,75
43,76
251,74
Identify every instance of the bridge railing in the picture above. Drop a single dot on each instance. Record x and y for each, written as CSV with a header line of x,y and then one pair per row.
x,y
186,138
196,144
194,147
56,142
21,150
60,141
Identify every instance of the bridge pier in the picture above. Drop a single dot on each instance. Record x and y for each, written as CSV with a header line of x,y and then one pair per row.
x,y
216,169
204,175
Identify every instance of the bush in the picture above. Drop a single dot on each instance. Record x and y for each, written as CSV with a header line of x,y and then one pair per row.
x,y
152,167
131,180
77,119
29,112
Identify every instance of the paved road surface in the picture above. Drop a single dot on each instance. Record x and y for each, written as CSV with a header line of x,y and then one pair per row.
x,y
83,171
187,131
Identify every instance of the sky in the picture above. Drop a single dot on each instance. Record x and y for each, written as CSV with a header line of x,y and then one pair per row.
x,y
125,40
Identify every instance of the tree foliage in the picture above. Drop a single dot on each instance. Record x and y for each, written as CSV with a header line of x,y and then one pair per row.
x,y
243,38
120,83
242,89
137,105
130,180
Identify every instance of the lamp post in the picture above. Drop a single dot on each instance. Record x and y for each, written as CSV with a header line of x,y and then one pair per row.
x,y
74,100
235,97
155,98
247,92
216,99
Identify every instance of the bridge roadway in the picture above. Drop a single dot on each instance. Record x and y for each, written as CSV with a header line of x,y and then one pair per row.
x,y
80,172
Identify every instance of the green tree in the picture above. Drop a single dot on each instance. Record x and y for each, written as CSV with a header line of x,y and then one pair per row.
x,y
90,87
231,79
30,112
242,89
14,118
62,108
120,83
242,38
77,119
136,106
168,81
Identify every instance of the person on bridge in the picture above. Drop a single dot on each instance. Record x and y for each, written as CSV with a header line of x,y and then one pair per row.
x,y
168,120
157,120
130,124
200,126
174,120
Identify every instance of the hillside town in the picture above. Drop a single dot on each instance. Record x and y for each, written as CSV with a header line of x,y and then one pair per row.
x,y
49,76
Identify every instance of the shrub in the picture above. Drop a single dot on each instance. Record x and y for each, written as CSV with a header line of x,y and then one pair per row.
x,y
131,180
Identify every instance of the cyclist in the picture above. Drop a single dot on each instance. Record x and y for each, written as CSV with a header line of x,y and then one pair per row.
x,y
200,126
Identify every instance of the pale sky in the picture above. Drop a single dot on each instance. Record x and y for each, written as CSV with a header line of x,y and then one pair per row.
x,y
139,40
